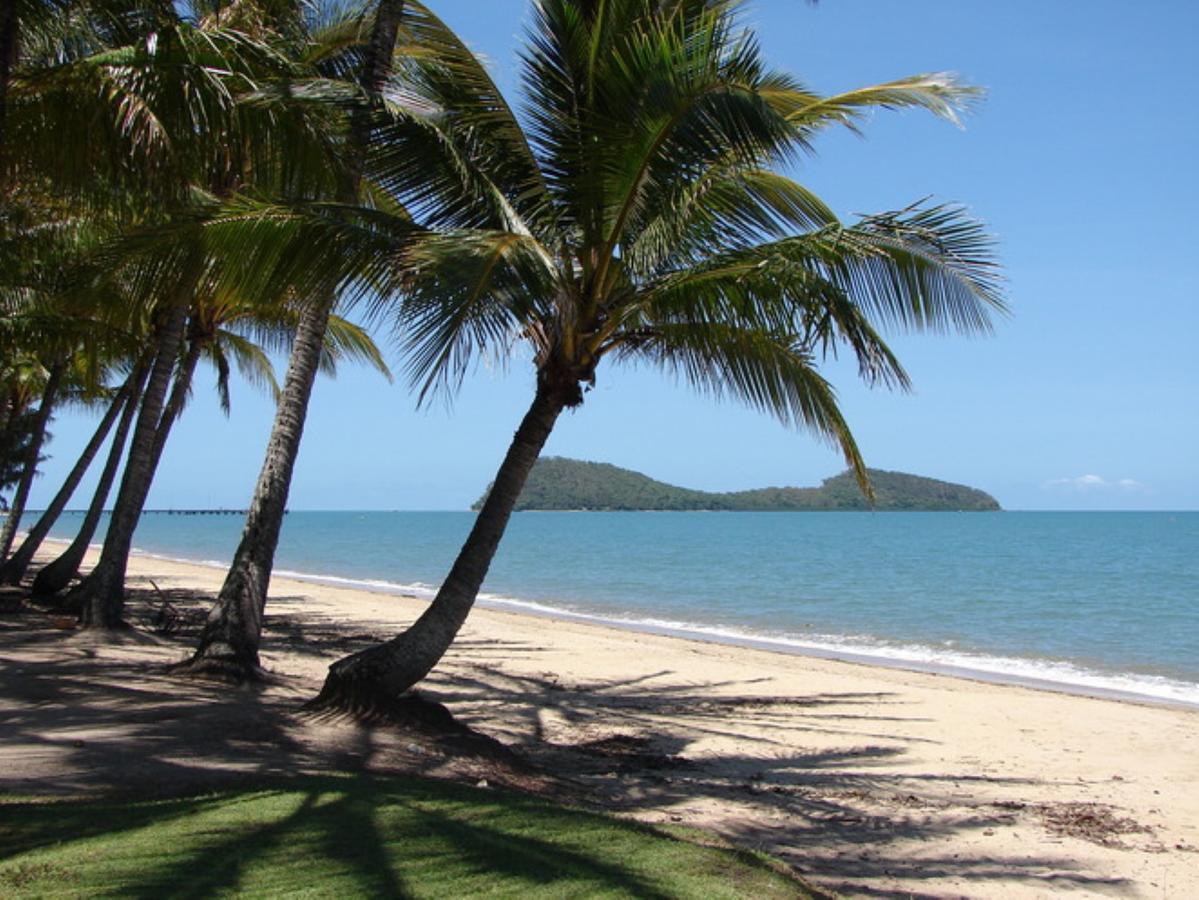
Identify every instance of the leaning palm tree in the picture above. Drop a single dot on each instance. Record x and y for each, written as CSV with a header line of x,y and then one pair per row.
x,y
13,568
229,330
229,644
52,341
46,308
178,85
55,575
641,216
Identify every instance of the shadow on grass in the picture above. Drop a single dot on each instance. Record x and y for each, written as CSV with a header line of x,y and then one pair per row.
x,y
356,836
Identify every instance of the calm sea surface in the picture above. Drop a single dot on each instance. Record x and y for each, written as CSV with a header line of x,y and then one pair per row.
x,y
1096,600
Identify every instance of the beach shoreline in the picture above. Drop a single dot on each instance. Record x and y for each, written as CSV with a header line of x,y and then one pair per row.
x,y
1117,686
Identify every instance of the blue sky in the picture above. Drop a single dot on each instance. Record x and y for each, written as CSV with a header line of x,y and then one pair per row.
x,y
1082,161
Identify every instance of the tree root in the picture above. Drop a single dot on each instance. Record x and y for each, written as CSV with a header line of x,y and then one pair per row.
x,y
223,669
414,712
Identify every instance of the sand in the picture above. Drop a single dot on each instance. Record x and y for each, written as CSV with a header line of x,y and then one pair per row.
x,y
870,781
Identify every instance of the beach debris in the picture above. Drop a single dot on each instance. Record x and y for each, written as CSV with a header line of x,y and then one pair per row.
x,y
1094,822
1009,804
168,618
631,751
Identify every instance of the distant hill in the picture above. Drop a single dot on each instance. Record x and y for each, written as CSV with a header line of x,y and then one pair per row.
x,y
559,483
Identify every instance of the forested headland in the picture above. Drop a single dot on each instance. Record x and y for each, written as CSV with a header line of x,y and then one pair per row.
x,y
572,484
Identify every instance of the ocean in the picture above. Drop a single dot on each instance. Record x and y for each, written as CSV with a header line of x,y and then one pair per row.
x,y
1097,602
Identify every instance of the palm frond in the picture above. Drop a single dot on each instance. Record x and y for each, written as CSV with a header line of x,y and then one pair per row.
x,y
770,371
252,361
940,93
464,292
727,206
346,341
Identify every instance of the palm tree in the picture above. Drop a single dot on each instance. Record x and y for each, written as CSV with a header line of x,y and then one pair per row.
x,y
52,337
194,88
51,383
229,644
57,574
13,568
49,312
641,217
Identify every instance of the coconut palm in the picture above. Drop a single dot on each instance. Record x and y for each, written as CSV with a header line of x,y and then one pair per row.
x,y
14,567
161,90
50,308
55,575
52,378
51,335
642,216
229,643
192,89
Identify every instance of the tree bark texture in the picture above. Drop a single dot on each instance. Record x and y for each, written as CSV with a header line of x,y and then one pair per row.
x,y
229,643
56,575
178,399
14,569
32,457
101,595
373,679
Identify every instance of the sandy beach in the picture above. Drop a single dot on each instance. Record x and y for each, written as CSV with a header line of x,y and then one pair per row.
x,y
870,781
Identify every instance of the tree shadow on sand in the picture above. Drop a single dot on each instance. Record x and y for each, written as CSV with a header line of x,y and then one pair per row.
x,y
848,814
816,779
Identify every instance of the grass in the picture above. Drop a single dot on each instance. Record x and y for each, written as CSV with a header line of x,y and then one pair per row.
x,y
357,835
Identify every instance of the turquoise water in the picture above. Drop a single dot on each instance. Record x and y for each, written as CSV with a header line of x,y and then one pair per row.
x,y
1096,600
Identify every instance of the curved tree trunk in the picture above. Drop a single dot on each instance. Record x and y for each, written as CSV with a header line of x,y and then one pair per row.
x,y
32,457
104,610
56,575
101,595
14,569
229,643
373,679
174,407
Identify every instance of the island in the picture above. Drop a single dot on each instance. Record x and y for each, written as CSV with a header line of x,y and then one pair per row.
x,y
558,483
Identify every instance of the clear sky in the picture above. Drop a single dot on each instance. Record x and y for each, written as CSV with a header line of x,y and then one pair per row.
x,y
1082,159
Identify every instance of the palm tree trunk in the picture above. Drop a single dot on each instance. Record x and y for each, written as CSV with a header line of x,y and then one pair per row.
x,y
32,457
56,575
174,407
14,569
104,610
101,595
229,643
373,679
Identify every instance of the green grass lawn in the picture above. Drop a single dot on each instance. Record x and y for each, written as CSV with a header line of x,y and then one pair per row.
x,y
356,835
